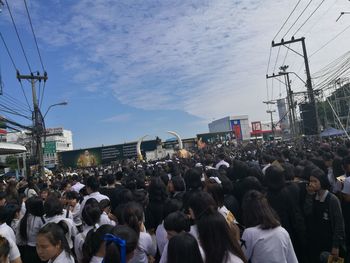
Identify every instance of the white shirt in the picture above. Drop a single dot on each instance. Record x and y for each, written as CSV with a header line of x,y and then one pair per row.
x,y
30,192
64,257
146,246
104,220
95,259
161,237
7,232
270,245
34,223
77,187
76,215
222,162
99,197
72,230
79,242
232,258
195,234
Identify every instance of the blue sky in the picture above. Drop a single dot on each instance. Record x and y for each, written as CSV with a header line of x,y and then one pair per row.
x,y
129,68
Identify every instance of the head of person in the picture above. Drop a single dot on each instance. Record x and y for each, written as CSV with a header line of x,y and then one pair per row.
x,y
94,242
200,203
217,238
72,198
35,207
176,223
318,180
131,215
105,206
121,235
51,241
183,248
92,184
176,184
214,187
157,190
274,178
257,211
53,206
91,212
4,250
193,179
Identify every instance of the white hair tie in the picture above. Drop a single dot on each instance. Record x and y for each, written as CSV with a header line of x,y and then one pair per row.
x,y
216,179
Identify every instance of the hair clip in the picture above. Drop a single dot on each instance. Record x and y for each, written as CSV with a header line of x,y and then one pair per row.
x,y
118,241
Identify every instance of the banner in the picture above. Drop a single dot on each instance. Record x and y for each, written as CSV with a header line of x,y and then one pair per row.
x,y
237,129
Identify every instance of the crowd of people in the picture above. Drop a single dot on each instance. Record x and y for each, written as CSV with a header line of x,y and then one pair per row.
x,y
226,203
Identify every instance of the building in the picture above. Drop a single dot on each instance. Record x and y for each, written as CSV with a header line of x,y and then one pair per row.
x,y
56,140
239,125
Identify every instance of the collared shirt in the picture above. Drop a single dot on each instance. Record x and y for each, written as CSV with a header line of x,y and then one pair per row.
x,y
321,198
97,195
64,257
7,232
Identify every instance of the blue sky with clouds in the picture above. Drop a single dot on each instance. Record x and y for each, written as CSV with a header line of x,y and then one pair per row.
x,y
134,67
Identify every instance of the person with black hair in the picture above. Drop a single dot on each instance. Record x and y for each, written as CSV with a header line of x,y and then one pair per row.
x,y
54,213
325,224
264,240
32,189
183,248
91,216
76,184
92,187
3,198
13,218
4,250
174,224
106,216
218,242
8,233
94,245
120,244
132,215
73,206
52,245
176,187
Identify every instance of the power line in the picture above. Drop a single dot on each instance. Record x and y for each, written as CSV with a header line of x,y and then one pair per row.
x,y
287,19
309,17
8,51
331,40
42,94
297,18
36,42
19,39
14,101
25,96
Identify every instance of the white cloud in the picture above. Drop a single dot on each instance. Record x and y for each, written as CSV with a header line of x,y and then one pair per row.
x,y
208,58
118,118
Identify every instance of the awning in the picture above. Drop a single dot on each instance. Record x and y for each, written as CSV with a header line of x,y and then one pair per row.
x,y
11,148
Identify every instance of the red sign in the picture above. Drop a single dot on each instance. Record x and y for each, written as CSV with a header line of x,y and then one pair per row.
x,y
256,126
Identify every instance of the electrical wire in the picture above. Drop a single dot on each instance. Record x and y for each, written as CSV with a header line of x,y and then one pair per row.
x,y
309,17
42,94
19,39
297,19
8,51
25,96
34,36
287,19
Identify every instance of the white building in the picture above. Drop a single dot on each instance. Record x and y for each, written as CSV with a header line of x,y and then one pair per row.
x,y
238,124
57,140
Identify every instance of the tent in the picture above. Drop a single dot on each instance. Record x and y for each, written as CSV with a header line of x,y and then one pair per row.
x,y
330,131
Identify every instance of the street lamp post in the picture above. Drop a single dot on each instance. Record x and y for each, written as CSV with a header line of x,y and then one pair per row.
x,y
53,105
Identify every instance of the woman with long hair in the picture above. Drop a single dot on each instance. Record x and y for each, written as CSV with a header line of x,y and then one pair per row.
x,y
132,216
264,240
218,240
29,227
183,248
94,247
52,245
120,245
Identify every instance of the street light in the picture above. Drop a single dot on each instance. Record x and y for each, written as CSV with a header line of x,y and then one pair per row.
x,y
53,105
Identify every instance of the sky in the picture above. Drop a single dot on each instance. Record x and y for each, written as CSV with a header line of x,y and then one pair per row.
x,y
128,68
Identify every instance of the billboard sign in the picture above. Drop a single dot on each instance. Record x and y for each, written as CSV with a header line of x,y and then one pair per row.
x,y
103,155
237,129
50,147
215,137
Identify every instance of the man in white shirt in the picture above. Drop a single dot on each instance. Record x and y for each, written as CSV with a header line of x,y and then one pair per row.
x,y
7,232
92,186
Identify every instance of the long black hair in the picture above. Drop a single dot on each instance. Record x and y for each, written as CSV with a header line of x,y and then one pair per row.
x,y
183,248
94,240
56,234
91,212
257,211
131,215
217,237
113,252
34,207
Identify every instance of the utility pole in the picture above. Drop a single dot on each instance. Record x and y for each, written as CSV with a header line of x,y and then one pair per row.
x,y
38,121
272,125
310,91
